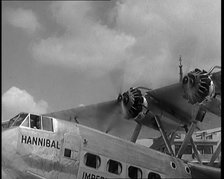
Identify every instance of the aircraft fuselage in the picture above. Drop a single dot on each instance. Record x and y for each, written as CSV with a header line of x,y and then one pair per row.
x,y
73,151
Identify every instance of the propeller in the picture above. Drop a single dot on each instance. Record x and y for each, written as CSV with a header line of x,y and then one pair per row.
x,y
131,103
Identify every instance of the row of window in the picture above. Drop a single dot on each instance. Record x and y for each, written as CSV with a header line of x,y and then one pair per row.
x,y
115,167
38,122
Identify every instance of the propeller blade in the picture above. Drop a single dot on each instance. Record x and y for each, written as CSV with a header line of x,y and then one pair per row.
x,y
117,77
114,121
124,110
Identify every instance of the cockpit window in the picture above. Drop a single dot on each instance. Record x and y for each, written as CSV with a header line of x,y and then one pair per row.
x,y
15,121
39,122
20,119
31,121
11,121
26,123
35,121
47,123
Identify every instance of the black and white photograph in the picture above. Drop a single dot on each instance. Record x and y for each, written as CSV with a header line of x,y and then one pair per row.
x,y
99,89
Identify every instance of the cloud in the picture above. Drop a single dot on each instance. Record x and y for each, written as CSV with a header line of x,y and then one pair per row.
x,y
22,18
148,36
16,100
86,45
99,51
163,31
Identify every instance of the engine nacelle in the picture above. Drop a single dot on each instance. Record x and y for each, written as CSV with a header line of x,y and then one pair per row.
x,y
197,86
133,102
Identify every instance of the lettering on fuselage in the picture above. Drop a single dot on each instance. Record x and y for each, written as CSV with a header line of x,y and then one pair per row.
x,y
86,175
40,141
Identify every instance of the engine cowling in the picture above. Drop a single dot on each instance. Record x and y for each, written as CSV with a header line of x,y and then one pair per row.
x,y
197,86
133,101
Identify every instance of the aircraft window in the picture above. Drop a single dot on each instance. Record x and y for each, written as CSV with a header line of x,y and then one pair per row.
x,y
173,165
26,123
153,175
20,119
11,121
114,167
92,160
15,121
67,153
35,121
47,123
134,172
187,169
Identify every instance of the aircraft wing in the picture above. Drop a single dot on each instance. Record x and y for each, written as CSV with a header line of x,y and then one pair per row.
x,y
182,100
175,106
171,99
100,116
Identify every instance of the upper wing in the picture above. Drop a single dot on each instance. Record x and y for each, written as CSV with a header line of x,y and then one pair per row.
x,y
172,99
170,102
99,116
183,98
179,101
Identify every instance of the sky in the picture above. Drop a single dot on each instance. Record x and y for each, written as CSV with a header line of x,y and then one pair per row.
x,y
58,55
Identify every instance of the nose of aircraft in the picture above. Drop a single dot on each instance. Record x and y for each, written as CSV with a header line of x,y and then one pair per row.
x,y
9,146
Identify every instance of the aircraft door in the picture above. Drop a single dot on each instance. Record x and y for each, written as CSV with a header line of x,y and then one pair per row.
x,y
70,155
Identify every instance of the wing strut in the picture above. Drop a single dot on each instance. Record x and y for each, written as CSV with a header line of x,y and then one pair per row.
x,y
195,150
188,138
136,132
194,147
216,154
165,139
